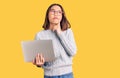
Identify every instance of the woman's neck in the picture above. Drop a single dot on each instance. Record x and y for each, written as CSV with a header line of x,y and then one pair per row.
x,y
54,26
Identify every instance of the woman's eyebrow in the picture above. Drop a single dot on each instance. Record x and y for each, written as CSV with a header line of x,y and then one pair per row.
x,y
54,9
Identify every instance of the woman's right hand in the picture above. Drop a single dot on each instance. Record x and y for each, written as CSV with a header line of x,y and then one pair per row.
x,y
39,60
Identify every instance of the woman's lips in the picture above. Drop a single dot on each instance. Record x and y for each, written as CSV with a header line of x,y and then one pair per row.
x,y
55,18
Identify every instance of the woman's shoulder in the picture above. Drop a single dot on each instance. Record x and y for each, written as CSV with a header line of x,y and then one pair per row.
x,y
68,31
42,31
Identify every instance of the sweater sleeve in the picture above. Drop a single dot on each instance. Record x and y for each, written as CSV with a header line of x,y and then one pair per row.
x,y
68,42
37,38
46,64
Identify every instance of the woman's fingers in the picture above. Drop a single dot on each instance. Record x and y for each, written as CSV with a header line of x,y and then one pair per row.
x,y
39,59
42,59
36,58
34,61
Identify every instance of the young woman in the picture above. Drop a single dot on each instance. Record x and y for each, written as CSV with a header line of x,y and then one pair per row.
x,y
57,28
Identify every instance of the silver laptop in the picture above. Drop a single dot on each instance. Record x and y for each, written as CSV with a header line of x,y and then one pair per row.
x,y
32,48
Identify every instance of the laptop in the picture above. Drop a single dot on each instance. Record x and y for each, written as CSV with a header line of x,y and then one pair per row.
x,y
32,48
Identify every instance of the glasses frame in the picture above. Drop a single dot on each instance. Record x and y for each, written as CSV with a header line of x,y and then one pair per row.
x,y
52,11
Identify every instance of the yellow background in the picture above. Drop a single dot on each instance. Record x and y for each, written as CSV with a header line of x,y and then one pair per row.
x,y
96,27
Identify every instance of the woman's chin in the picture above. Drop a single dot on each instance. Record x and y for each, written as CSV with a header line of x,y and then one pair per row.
x,y
55,23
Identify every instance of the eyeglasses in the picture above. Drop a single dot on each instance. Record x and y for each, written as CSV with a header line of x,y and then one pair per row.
x,y
53,12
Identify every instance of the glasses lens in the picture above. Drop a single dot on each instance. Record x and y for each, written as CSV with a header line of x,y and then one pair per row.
x,y
53,12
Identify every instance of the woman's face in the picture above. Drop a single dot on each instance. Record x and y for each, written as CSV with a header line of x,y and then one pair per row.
x,y
55,15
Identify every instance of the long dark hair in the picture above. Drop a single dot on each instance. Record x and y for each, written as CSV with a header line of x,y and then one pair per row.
x,y
64,22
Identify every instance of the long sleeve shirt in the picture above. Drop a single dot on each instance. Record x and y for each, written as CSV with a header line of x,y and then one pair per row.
x,y
64,48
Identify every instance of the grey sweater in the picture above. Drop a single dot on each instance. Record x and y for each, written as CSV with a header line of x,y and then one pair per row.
x,y
64,47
